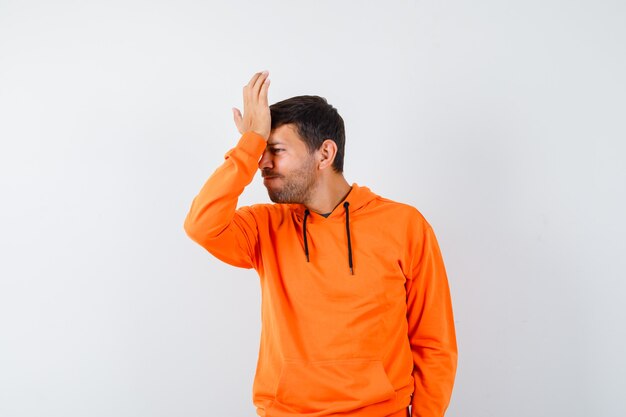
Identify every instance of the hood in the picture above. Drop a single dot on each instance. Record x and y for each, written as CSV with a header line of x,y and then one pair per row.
x,y
357,199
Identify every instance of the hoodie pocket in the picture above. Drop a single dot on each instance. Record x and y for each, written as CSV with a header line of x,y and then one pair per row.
x,y
338,385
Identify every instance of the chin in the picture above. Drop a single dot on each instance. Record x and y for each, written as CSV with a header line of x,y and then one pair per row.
x,y
273,197
278,199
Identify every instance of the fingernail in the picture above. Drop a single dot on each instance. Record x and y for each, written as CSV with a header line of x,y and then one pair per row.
x,y
265,72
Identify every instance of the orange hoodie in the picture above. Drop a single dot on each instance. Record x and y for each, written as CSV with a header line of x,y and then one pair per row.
x,y
356,311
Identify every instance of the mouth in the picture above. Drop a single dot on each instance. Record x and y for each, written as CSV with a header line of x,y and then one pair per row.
x,y
270,178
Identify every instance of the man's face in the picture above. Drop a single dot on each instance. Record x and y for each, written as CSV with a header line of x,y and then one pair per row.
x,y
288,169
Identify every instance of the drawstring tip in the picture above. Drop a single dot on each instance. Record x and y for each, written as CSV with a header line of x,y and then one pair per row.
x,y
306,244
351,271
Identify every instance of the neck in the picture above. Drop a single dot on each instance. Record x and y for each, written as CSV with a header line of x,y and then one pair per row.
x,y
327,194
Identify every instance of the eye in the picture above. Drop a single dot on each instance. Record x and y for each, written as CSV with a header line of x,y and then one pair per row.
x,y
276,150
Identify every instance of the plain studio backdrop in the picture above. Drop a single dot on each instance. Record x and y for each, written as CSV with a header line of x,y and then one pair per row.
x,y
502,122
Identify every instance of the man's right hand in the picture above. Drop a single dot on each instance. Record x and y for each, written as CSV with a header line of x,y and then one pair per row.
x,y
256,110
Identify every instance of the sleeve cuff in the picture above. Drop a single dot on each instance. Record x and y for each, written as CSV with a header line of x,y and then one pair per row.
x,y
252,143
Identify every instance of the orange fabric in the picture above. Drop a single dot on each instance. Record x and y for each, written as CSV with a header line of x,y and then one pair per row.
x,y
333,343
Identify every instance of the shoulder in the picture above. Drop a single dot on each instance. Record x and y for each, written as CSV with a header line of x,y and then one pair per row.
x,y
265,210
403,211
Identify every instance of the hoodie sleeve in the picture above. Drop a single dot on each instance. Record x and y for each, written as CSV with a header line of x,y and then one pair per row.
x,y
431,326
213,220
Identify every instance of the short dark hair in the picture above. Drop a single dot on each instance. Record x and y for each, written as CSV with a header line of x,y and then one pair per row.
x,y
315,121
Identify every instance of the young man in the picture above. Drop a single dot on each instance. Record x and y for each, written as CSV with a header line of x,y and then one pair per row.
x,y
356,311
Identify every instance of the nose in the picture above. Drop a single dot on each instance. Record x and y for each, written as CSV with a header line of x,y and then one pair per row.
x,y
266,160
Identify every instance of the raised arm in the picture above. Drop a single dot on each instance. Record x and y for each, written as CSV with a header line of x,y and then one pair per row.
x,y
213,220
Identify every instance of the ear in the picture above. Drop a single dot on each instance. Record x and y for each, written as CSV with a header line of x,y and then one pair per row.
x,y
327,153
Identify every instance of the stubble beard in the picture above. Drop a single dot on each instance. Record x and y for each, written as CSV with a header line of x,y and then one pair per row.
x,y
296,186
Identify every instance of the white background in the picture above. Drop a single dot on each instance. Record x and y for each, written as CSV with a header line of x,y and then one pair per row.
x,y
502,122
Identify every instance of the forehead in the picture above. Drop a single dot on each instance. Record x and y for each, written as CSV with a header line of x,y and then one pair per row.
x,y
285,135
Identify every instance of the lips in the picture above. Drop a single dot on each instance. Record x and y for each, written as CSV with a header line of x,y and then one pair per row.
x,y
270,177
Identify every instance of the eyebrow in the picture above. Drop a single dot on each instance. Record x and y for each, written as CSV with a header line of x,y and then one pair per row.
x,y
272,143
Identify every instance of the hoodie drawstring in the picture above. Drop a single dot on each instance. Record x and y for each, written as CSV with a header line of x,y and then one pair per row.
x,y
306,244
345,206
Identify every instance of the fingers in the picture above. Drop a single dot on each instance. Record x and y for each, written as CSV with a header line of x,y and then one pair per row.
x,y
263,93
259,82
252,89
238,119
256,113
254,78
